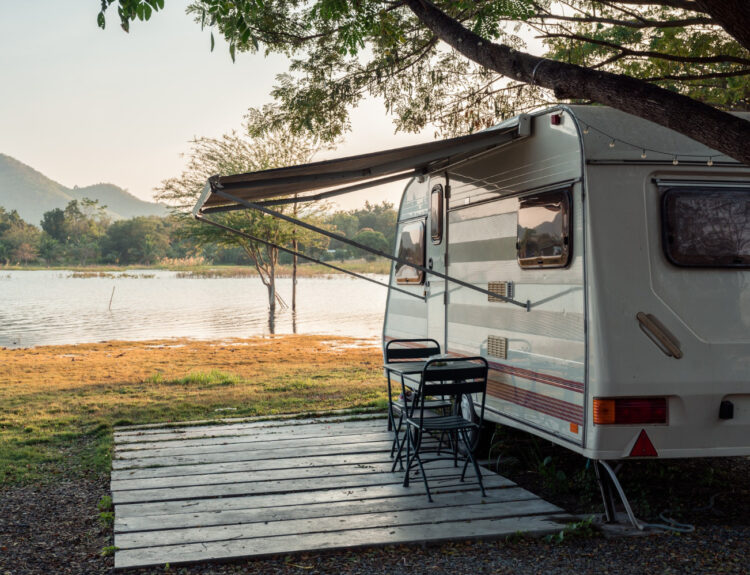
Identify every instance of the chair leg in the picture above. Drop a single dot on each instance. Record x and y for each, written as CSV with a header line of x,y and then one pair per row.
x,y
408,440
470,457
396,427
424,477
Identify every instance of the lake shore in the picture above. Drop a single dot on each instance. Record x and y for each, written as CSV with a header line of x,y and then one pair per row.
x,y
361,266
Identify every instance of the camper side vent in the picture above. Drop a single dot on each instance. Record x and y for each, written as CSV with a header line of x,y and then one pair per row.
x,y
497,346
504,289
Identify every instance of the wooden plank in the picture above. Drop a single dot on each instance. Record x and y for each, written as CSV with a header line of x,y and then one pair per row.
x,y
277,486
256,441
258,426
247,466
334,414
300,430
440,488
214,446
297,457
253,514
294,473
194,552
413,517
284,470
247,455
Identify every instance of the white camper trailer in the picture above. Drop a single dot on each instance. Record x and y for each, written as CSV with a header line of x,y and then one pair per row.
x,y
631,246
599,262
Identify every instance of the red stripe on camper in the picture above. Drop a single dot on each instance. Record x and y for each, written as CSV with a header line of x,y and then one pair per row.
x,y
531,400
555,381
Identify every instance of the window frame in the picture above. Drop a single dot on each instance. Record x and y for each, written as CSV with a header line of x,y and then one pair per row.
x,y
565,257
667,229
406,224
438,190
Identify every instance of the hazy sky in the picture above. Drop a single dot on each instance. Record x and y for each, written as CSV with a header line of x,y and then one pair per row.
x,y
84,106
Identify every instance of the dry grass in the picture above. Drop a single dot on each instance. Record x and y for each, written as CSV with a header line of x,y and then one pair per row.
x,y
58,403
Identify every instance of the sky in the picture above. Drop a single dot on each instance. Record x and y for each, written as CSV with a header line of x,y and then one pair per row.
x,y
85,106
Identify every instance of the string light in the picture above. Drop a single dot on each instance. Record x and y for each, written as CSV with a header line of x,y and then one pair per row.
x,y
585,129
710,161
675,161
612,144
643,153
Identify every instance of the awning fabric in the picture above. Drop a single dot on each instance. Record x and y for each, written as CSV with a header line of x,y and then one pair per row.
x,y
410,160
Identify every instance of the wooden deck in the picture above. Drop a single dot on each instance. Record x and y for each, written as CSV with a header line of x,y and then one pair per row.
x,y
248,489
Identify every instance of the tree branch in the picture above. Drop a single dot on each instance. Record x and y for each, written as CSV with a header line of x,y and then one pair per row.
x,y
691,5
732,15
640,24
719,130
681,77
721,58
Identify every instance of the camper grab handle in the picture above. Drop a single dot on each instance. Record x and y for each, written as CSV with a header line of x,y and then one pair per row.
x,y
659,334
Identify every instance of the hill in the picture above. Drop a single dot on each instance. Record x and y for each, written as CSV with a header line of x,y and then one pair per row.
x,y
31,193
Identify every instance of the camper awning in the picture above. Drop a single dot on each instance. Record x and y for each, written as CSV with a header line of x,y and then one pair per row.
x,y
366,169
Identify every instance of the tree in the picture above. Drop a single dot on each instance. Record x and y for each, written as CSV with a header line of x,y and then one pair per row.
x,y
236,153
18,238
461,65
372,239
140,240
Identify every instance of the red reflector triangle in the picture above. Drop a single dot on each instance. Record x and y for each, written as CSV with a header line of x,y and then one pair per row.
x,y
643,446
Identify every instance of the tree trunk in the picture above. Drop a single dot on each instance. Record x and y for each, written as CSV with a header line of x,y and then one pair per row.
x,y
294,259
294,272
271,285
716,129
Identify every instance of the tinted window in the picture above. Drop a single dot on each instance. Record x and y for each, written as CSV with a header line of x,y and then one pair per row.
x,y
543,230
707,227
411,249
436,214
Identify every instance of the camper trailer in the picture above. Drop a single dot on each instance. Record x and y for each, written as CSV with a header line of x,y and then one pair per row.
x,y
599,262
629,246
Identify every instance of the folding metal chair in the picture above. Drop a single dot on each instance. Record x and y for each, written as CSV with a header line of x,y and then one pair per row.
x,y
454,377
405,358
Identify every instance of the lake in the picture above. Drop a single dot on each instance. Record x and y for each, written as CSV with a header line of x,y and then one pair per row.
x,y
56,307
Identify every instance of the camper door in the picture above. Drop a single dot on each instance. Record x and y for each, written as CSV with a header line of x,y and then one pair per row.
x,y
436,242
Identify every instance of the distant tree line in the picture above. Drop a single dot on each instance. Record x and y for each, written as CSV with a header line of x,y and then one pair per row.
x,y
83,234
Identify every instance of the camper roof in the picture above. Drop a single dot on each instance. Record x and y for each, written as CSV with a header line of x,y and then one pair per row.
x,y
601,127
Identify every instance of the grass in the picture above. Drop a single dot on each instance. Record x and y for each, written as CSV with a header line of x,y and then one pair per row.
x,y
378,266
59,404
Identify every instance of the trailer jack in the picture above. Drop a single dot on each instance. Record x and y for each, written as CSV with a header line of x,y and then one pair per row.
x,y
608,484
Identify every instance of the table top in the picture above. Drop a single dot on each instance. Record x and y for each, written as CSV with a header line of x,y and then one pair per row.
x,y
412,367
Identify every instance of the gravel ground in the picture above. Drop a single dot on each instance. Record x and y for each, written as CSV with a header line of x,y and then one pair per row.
x,y
55,529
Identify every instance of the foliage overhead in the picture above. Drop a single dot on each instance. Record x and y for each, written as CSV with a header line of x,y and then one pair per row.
x,y
460,64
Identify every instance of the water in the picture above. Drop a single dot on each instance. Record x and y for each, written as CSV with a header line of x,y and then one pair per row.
x,y
53,307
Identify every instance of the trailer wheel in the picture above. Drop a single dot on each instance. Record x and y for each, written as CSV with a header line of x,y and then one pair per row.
x,y
466,409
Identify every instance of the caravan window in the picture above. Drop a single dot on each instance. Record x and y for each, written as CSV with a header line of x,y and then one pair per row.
x,y
707,227
544,230
436,214
411,249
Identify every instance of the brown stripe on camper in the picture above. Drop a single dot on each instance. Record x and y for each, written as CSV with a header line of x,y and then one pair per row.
x,y
555,381
531,400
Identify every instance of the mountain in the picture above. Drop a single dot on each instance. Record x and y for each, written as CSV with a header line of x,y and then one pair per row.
x,y
32,193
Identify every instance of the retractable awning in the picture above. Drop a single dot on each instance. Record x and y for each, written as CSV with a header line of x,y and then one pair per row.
x,y
259,190
353,172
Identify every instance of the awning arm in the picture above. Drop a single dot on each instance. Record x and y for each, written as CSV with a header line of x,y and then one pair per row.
x,y
202,218
219,191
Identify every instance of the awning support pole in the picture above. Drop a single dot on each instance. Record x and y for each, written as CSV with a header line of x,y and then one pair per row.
x,y
218,190
202,218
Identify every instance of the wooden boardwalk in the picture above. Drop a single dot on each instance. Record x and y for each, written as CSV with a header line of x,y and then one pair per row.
x,y
221,492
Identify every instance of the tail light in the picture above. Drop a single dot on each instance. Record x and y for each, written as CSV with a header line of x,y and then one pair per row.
x,y
630,410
